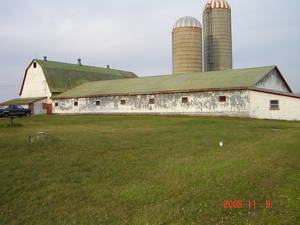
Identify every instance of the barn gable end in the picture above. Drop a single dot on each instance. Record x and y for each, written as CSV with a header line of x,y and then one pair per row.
x,y
274,80
35,83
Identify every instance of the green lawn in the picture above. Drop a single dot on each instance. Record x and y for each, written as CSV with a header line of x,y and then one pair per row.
x,y
148,170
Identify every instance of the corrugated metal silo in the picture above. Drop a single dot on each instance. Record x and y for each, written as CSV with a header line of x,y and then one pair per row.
x,y
187,45
217,35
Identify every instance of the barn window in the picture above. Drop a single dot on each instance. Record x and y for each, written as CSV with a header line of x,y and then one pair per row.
x,y
222,98
274,105
75,103
185,100
123,102
34,65
44,105
98,102
152,101
56,104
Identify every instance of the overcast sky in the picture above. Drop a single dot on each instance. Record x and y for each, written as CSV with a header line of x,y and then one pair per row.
x,y
135,35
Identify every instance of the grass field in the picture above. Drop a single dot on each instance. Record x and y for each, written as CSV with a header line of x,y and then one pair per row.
x,y
155,170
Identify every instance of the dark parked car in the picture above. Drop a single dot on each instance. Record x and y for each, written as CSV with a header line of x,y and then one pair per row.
x,y
14,110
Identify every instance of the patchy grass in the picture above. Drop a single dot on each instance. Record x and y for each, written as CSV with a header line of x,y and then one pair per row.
x,y
104,169
10,123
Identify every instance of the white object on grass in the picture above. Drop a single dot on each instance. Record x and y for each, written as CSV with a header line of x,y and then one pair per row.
x,y
221,143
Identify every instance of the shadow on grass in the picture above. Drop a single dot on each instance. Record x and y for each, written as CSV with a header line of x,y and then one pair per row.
x,y
11,125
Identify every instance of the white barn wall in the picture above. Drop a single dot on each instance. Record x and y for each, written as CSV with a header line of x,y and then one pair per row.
x,y
38,107
35,84
199,103
260,107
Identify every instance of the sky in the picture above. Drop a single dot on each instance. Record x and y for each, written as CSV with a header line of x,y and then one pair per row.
x,y
135,35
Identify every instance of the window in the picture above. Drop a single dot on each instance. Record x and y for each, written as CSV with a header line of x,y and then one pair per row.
x,y
56,104
274,105
185,100
44,105
34,65
75,103
98,103
222,98
18,107
123,102
151,101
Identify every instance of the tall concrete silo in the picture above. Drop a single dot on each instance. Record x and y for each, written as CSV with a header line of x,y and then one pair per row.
x,y
187,45
217,35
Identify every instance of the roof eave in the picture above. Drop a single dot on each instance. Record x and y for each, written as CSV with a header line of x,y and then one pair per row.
x,y
25,75
152,93
284,80
267,91
33,101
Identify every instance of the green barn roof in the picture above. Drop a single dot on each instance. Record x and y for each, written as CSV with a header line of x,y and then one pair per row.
x,y
176,82
22,101
63,76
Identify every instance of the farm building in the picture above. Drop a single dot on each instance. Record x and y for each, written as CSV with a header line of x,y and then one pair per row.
x,y
255,93
44,79
62,88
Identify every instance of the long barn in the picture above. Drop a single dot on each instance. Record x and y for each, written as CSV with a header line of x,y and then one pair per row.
x,y
255,93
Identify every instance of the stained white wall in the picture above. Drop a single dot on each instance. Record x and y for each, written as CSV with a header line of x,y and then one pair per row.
x,y
260,107
199,103
251,104
273,81
38,107
35,83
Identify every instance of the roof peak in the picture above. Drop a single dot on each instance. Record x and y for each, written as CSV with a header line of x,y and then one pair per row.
x,y
66,63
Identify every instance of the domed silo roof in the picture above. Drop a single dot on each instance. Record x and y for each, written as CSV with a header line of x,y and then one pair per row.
x,y
187,21
217,4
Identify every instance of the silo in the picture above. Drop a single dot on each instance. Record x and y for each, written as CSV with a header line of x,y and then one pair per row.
x,y
187,45
217,35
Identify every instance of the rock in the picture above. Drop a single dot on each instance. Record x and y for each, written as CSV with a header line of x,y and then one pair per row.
x,y
40,136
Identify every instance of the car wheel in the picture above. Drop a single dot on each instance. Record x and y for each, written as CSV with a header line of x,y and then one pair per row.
x,y
6,114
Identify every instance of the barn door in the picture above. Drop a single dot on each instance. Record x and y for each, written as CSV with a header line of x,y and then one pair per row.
x,y
49,109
